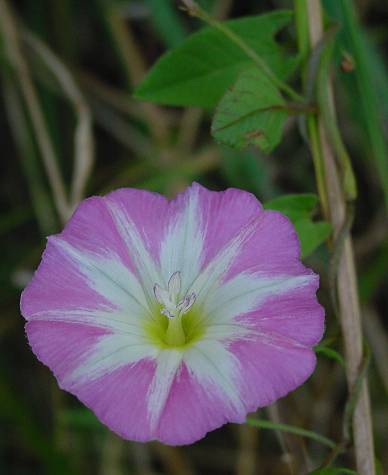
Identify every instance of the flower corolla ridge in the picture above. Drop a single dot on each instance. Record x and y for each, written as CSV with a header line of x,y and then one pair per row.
x,y
170,318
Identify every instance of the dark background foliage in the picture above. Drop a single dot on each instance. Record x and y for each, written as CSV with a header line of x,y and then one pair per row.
x,y
107,45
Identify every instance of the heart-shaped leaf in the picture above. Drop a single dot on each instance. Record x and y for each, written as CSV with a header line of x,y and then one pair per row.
x,y
199,71
252,112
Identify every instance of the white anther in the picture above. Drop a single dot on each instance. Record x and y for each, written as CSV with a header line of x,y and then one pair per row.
x,y
174,285
185,305
168,298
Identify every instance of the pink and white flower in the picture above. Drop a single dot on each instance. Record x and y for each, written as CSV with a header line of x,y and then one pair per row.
x,y
170,318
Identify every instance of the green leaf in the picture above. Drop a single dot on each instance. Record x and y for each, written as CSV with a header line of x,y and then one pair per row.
x,y
311,234
253,112
329,353
81,419
299,209
264,424
166,22
247,170
368,83
333,471
294,206
199,71
374,275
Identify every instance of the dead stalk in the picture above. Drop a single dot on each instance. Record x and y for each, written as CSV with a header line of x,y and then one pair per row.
x,y
349,307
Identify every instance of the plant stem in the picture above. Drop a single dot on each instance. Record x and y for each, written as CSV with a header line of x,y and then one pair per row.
x,y
349,308
302,31
264,424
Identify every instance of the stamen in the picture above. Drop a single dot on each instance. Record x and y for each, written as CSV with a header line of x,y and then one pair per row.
x,y
185,305
174,284
169,298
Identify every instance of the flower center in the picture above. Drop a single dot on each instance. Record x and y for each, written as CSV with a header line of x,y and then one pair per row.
x,y
174,307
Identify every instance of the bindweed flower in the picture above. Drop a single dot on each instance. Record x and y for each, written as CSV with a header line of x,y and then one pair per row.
x,y
171,318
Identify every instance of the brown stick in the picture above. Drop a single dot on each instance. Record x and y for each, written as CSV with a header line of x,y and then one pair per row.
x,y
349,307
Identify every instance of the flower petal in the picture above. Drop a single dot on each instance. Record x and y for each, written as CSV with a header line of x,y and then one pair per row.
x,y
273,248
200,225
91,234
107,276
244,292
212,364
146,214
168,363
183,241
294,313
231,234
110,353
204,395
77,286
61,345
119,399
136,242
59,284
219,256
270,367
221,216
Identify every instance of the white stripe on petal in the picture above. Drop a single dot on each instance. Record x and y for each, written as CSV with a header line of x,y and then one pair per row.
x,y
110,353
213,366
108,276
145,264
227,332
182,245
211,277
114,321
168,363
245,292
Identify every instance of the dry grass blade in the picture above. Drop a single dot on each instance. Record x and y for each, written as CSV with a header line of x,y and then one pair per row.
x,y
118,100
135,69
246,463
83,137
40,196
16,58
112,456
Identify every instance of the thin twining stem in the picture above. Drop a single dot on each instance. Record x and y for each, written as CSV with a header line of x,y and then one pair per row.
x,y
349,308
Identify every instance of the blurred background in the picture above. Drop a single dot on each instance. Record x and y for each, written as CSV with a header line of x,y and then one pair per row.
x,y
70,128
